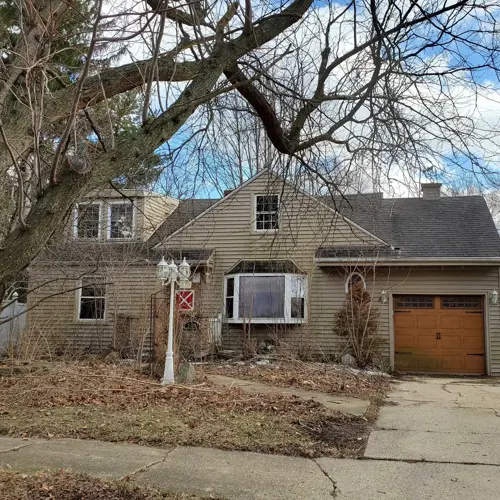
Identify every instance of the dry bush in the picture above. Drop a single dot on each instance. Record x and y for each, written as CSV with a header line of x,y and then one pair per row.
x,y
358,323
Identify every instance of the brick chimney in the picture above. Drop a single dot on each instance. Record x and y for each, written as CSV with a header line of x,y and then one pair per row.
x,y
431,190
228,191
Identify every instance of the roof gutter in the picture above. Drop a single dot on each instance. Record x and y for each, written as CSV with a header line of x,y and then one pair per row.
x,y
415,261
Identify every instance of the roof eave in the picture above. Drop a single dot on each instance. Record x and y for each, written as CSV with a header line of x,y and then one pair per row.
x,y
412,261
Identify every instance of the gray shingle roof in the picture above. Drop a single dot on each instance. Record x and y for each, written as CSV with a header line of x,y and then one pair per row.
x,y
459,226
185,211
131,253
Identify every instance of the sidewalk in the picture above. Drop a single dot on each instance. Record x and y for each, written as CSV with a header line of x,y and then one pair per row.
x,y
253,476
347,405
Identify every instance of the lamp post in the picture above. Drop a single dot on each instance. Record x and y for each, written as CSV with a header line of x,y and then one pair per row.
x,y
170,274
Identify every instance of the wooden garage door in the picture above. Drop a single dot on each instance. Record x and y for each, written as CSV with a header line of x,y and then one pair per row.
x,y
442,334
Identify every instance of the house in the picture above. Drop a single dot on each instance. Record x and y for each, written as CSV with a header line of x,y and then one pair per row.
x,y
92,286
272,263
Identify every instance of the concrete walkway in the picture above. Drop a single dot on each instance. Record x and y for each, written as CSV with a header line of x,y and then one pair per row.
x,y
254,476
352,406
440,420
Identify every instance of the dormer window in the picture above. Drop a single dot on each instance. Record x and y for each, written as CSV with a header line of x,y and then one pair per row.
x,y
87,221
121,221
266,212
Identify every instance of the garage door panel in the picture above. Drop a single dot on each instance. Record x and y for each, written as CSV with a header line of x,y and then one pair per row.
x,y
403,341
404,321
474,364
451,342
450,322
429,363
453,364
405,362
439,334
473,343
426,322
473,322
427,341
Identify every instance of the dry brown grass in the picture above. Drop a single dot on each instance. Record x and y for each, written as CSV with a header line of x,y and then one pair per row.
x,y
322,377
114,403
61,485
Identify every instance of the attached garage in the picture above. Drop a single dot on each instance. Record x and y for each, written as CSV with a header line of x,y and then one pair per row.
x,y
439,334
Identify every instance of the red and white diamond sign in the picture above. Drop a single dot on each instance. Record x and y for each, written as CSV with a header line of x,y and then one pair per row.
x,y
185,300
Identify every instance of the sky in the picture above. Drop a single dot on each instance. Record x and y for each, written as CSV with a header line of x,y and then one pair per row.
x,y
471,105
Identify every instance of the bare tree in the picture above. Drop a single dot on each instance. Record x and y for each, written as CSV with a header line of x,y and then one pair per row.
x,y
388,87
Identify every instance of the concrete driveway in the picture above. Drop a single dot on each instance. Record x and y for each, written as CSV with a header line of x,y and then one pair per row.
x,y
444,420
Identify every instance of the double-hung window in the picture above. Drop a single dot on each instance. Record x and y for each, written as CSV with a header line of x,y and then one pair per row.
x,y
92,298
88,221
121,221
266,212
266,298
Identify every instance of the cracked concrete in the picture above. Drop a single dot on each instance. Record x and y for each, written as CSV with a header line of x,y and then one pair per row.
x,y
351,406
92,457
439,420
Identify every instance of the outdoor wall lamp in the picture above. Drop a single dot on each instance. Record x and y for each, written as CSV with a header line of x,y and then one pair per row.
x,y
170,274
494,297
383,297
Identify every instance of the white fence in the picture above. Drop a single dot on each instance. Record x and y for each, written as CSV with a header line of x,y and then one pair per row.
x,y
10,331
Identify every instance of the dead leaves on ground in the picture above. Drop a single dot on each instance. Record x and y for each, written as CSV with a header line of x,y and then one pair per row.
x,y
62,485
115,403
322,377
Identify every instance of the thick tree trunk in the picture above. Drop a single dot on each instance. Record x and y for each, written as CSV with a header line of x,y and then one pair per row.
x,y
50,210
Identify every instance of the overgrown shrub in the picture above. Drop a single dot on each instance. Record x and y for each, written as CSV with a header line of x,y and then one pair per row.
x,y
358,322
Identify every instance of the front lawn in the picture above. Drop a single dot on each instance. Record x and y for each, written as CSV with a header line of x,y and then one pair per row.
x,y
92,400
61,485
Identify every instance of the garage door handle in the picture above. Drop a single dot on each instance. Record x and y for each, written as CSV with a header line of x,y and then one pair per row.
x,y
438,335
475,354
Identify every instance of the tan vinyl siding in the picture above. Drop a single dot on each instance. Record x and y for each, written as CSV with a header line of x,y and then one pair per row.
x,y
305,224
128,294
156,210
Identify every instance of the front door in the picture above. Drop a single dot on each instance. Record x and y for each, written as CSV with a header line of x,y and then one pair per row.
x,y
439,334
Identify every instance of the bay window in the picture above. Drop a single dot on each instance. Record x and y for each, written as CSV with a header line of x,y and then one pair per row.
x,y
266,298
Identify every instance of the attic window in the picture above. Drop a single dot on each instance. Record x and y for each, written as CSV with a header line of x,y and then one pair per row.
x,y
266,212
121,221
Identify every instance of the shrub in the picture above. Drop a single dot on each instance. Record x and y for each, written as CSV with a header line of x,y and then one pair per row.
x,y
358,322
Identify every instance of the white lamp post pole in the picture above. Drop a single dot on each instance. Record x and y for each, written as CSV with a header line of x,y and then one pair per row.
x,y
168,375
170,274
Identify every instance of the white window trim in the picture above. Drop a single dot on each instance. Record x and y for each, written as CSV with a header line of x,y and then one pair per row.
x,y
79,301
254,214
288,302
108,220
75,220
348,281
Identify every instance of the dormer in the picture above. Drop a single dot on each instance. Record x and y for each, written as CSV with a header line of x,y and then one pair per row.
x,y
128,215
